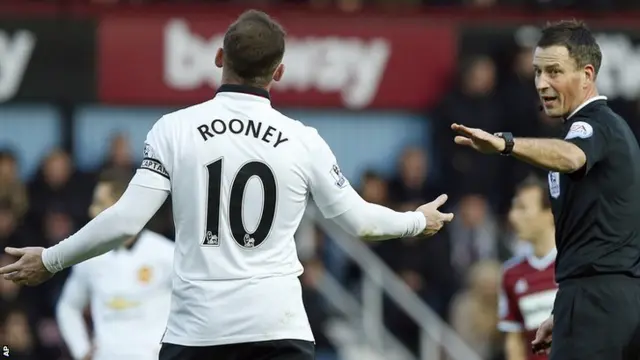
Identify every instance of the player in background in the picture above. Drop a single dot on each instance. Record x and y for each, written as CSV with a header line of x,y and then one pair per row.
x,y
129,290
528,285
240,174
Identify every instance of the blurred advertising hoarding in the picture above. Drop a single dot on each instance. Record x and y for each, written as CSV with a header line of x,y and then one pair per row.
x,y
365,61
351,63
47,59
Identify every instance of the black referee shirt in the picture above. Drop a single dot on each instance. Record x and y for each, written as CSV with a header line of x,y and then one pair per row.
x,y
597,209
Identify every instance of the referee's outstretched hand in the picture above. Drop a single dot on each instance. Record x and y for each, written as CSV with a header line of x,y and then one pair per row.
x,y
435,219
542,343
478,139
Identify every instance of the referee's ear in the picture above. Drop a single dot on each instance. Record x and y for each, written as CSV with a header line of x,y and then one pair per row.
x,y
590,74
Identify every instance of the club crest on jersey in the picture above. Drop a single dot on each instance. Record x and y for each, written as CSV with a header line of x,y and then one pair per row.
x,y
148,151
211,240
249,241
337,175
554,184
145,274
521,286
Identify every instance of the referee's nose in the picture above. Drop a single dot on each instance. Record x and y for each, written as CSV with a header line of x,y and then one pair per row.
x,y
542,85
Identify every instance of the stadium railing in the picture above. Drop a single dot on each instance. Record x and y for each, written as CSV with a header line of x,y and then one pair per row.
x,y
378,280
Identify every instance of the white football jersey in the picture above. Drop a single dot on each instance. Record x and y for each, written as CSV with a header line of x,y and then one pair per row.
x,y
240,174
129,291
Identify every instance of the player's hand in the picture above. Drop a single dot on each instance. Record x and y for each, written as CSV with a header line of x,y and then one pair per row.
x,y
542,343
478,139
435,219
29,269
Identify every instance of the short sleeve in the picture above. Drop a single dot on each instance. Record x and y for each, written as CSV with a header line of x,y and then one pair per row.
x,y
154,172
329,187
592,138
510,318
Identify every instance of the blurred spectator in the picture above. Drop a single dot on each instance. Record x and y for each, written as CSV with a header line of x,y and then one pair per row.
x,y
475,235
18,336
58,185
474,309
11,188
10,232
119,155
374,188
473,103
411,188
317,310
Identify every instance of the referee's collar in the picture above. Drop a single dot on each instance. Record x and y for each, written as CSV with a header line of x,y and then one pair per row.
x,y
585,104
244,89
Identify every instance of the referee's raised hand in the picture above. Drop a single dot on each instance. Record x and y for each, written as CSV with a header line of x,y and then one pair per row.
x,y
478,139
435,219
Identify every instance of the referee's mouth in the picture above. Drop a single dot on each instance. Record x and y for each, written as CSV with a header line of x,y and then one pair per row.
x,y
548,100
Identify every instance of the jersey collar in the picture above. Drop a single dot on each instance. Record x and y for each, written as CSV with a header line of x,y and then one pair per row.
x,y
541,263
584,104
244,89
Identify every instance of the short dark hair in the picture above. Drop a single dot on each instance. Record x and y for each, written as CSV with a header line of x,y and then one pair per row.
x,y
117,179
577,38
533,181
253,47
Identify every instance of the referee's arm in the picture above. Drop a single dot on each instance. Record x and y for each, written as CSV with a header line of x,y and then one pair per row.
x,y
584,145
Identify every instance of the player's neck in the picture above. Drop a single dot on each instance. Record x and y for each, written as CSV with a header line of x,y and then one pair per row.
x,y
544,244
234,80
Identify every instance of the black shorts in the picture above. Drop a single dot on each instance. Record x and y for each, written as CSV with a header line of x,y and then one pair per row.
x,y
597,318
264,350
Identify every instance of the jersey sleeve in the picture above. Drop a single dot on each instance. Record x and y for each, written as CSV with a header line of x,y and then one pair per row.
x,y
156,164
329,188
509,316
592,138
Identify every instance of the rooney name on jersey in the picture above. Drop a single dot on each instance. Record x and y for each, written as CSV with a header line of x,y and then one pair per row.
x,y
252,128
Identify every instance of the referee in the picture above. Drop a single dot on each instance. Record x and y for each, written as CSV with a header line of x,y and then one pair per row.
x,y
594,185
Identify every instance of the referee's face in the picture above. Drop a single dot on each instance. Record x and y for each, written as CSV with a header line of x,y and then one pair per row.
x,y
559,81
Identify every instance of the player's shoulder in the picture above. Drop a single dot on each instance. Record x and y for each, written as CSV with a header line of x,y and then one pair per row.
x,y
171,119
514,265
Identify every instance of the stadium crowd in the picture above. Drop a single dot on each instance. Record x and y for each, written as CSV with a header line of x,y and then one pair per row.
x,y
355,5
456,273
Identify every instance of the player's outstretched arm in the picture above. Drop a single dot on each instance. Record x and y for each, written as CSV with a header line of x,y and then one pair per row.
x,y
111,228
338,201
374,222
74,298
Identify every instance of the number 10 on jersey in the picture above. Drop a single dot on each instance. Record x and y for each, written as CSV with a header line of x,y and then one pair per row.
x,y
235,204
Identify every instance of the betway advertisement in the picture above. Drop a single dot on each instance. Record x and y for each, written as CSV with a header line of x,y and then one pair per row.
x,y
46,60
352,63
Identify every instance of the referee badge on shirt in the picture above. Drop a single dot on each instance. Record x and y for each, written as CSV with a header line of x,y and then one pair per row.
x,y
337,175
579,129
554,184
